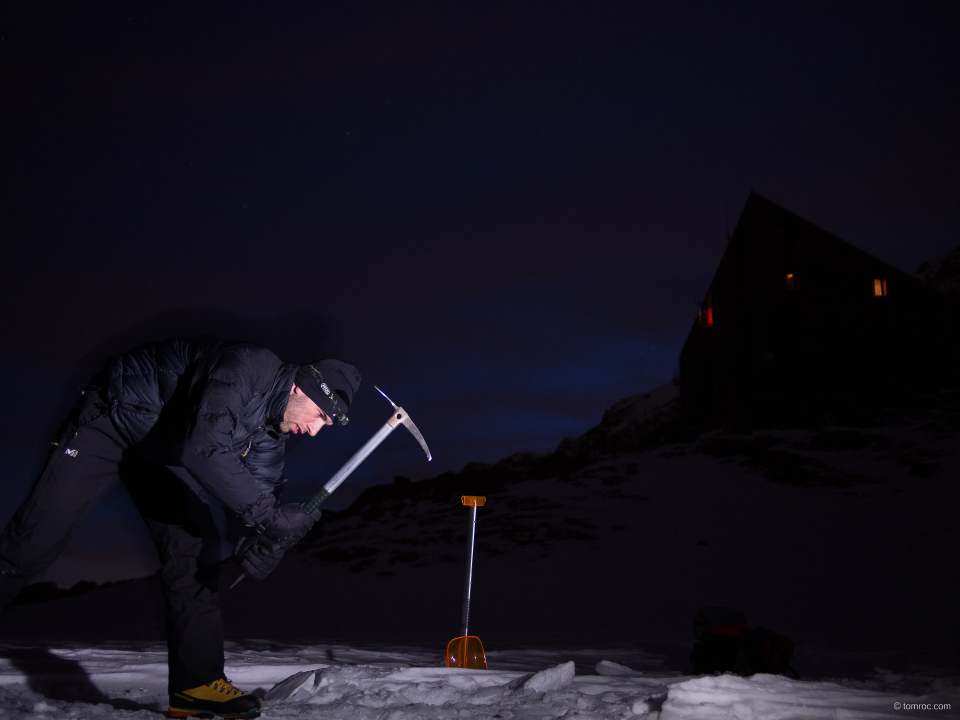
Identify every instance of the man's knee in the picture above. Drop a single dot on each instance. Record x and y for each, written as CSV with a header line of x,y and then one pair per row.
x,y
187,578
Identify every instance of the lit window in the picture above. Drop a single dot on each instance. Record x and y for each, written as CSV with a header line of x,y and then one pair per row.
x,y
880,287
792,283
705,318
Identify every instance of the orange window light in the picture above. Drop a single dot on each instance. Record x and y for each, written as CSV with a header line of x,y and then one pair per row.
x,y
880,287
706,317
473,500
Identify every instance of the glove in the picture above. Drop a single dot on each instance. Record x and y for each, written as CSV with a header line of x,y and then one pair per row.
x,y
287,527
261,557
289,524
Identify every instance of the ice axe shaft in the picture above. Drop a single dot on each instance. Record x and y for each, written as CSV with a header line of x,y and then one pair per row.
x,y
399,417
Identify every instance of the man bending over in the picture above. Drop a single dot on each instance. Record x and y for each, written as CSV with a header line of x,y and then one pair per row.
x,y
178,420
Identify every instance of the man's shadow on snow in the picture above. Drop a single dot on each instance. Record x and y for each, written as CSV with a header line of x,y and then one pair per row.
x,y
58,678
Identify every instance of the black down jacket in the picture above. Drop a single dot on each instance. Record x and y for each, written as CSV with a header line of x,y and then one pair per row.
x,y
209,406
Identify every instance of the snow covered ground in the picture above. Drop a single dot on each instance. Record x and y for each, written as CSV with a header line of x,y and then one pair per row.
x,y
335,681
586,582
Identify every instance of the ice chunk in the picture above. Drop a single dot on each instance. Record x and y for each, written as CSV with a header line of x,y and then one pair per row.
x,y
555,678
612,669
640,707
303,682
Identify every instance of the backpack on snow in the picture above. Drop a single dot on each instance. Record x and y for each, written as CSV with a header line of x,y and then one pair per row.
x,y
727,644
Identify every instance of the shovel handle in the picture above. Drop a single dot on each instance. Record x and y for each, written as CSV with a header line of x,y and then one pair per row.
x,y
468,579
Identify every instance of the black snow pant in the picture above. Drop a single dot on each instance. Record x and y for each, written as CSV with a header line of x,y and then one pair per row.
x,y
87,460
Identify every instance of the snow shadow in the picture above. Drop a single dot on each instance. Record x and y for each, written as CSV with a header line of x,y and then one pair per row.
x,y
59,678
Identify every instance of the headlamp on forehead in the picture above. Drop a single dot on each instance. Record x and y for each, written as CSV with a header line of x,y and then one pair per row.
x,y
338,414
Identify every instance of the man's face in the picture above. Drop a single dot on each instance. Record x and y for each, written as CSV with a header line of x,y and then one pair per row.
x,y
302,415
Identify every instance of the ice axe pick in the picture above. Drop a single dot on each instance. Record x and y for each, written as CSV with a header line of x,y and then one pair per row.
x,y
399,417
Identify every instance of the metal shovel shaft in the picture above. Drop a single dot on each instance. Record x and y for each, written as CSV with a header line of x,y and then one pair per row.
x,y
468,580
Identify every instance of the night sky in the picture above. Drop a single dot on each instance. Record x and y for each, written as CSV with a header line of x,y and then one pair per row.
x,y
503,213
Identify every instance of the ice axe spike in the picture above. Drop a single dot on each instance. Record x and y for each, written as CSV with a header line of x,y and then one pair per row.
x,y
399,417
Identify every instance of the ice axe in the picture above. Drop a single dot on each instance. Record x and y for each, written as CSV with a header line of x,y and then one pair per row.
x,y
466,651
399,417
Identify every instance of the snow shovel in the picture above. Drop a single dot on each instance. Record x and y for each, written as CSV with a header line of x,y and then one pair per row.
x,y
466,651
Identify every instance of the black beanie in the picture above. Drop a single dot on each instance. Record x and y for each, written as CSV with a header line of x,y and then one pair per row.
x,y
331,385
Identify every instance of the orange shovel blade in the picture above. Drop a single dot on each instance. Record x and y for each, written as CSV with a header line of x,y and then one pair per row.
x,y
466,652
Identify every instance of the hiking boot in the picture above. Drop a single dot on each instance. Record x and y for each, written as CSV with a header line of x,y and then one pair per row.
x,y
219,698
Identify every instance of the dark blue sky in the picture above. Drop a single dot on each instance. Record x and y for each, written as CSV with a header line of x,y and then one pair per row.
x,y
503,213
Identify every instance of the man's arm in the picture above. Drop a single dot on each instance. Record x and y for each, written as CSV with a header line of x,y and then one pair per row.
x,y
208,447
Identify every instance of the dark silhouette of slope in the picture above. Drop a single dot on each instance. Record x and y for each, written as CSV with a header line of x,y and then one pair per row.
x,y
942,273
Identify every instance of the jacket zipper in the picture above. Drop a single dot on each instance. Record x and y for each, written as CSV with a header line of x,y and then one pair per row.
x,y
250,441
